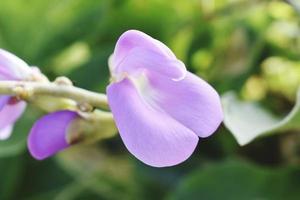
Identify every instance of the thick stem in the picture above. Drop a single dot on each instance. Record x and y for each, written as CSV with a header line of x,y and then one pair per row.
x,y
31,90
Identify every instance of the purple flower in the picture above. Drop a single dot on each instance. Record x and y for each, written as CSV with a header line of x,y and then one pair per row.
x,y
159,108
49,134
11,68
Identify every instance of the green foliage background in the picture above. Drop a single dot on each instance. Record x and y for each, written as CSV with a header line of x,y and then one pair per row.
x,y
249,46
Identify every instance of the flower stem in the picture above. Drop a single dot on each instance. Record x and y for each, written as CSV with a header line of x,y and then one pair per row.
x,y
30,90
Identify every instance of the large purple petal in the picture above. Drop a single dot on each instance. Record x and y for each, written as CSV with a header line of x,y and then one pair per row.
x,y
12,67
144,60
149,134
10,113
191,101
132,39
48,134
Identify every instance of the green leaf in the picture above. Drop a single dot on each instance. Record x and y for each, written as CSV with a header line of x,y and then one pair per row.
x,y
239,180
248,120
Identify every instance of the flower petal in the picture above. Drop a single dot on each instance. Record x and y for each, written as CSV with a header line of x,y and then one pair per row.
x,y
10,113
12,67
6,132
149,134
144,60
191,101
132,39
48,134
3,101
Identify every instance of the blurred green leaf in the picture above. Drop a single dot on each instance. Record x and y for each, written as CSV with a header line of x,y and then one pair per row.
x,y
234,180
273,69
94,75
94,170
248,120
10,173
41,180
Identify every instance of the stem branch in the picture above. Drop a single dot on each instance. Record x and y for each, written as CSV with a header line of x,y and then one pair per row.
x,y
30,90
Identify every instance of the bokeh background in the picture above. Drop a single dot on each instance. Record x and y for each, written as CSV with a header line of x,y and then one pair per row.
x,y
249,46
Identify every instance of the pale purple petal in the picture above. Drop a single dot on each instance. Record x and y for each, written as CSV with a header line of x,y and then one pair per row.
x,y
132,39
143,60
149,134
10,113
6,132
191,101
48,134
3,101
12,67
